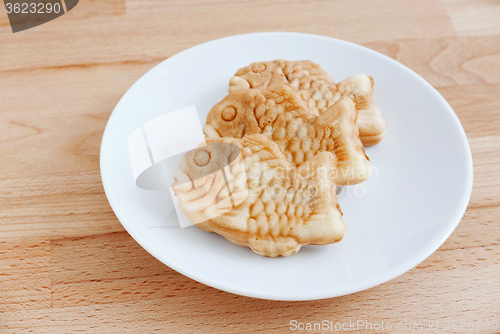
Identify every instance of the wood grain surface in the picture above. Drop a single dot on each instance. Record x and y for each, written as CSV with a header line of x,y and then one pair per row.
x,y
66,263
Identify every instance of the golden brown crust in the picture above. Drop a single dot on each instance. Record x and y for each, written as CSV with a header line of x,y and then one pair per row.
x,y
370,122
284,208
282,115
317,89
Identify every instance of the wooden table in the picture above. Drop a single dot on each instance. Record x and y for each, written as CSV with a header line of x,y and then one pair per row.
x,y
67,264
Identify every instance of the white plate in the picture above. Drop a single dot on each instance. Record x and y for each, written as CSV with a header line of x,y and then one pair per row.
x,y
416,197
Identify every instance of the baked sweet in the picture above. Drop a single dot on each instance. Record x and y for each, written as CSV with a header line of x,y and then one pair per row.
x,y
318,90
282,115
272,206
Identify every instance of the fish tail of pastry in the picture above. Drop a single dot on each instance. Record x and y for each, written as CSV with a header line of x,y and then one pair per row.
x,y
370,122
325,224
338,126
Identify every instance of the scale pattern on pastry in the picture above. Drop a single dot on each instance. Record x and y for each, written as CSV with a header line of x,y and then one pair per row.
x,y
282,115
318,90
281,207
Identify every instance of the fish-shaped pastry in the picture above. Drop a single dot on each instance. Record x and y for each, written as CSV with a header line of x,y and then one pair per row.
x,y
318,90
271,206
280,114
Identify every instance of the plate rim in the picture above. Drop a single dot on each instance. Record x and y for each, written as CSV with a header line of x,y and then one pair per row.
x,y
360,286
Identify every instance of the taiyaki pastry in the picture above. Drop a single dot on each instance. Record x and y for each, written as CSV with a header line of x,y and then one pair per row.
x,y
271,206
280,114
210,169
318,90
